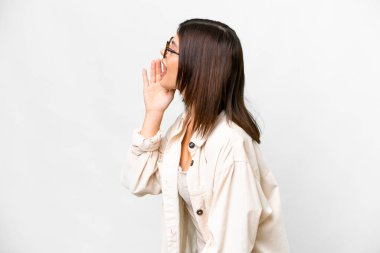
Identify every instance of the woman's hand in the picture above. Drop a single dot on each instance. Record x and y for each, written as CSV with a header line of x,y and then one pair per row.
x,y
156,98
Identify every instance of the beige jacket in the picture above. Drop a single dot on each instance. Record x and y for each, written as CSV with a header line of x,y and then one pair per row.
x,y
236,198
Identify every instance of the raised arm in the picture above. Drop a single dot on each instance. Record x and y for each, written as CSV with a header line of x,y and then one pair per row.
x,y
139,173
140,169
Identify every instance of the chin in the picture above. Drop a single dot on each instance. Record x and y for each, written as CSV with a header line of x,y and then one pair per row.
x,y
167,86
163,85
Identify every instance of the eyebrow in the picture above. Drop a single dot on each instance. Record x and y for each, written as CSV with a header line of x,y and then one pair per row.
x,y
173,43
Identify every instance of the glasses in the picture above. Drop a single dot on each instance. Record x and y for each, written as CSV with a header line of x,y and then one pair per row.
x,y
167,48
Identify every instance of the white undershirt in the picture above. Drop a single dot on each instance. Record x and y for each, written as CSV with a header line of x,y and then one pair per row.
x,y
184,193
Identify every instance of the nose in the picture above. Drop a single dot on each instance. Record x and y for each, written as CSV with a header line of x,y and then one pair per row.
x,y
162,51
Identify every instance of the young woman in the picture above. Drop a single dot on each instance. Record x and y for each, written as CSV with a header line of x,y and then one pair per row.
x,y
218,194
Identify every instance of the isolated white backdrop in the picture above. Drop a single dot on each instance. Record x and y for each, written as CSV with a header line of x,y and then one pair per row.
x,y
71,94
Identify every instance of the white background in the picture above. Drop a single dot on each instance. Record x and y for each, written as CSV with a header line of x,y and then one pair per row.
x,y
71,94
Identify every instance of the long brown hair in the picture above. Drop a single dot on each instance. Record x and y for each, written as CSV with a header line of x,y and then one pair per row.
x,y
211,75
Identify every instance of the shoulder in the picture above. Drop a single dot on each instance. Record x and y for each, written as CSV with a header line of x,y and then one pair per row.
x,y
231,143
229,147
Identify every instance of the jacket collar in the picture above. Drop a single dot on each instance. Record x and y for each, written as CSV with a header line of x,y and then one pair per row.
x,y
196,137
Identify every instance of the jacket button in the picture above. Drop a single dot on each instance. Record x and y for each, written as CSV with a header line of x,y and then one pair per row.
x,y
191,144
199,212
192,161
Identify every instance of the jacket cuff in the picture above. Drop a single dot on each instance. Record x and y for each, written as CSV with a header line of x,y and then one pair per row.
x,y
146,144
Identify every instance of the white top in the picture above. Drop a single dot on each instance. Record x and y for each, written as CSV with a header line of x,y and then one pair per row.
x,y
184,193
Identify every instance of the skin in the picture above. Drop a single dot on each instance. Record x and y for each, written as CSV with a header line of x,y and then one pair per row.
x,y
170,65
158,94
185,158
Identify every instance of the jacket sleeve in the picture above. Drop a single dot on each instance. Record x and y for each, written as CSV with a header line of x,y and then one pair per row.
x,y
235,210
139,172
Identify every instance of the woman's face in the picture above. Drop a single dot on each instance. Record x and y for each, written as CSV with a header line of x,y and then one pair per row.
x,y
170,65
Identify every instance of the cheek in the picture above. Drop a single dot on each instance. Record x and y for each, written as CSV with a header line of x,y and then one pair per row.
x,y
173,68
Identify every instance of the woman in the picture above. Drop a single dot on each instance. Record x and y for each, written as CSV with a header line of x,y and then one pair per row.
x,y
218,194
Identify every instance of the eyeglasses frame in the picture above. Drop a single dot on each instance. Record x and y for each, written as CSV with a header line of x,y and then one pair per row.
x,y
167,48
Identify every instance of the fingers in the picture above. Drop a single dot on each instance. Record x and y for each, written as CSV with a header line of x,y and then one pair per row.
x,y
158,70
155,73
152,72
145,78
